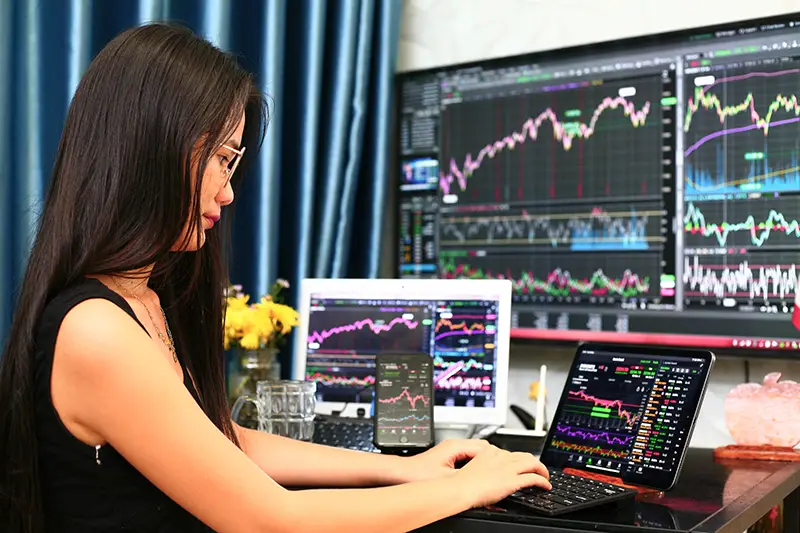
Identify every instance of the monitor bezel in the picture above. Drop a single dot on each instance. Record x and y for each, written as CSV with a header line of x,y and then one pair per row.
x,y
415,289
531,336
664,480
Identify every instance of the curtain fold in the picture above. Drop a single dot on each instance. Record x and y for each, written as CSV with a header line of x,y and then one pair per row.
x,y
312,203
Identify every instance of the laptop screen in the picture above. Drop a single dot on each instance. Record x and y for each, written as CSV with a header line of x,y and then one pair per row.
x,y
628,412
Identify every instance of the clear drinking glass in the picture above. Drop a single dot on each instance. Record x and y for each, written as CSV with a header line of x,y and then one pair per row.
x,y
284,407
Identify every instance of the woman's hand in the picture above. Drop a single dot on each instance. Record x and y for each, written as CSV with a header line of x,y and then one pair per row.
x,y
441,459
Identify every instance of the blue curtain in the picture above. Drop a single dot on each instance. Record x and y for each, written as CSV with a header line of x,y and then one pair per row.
x,y
313,203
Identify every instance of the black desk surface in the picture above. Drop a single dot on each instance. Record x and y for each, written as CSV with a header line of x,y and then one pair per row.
x,y
710,497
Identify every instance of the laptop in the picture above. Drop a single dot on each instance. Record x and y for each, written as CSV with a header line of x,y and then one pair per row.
x,y
622,426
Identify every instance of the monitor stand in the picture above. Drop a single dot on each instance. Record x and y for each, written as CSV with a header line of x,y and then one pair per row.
x,y
453,431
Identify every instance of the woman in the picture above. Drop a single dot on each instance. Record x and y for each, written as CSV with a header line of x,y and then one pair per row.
x,y
114,415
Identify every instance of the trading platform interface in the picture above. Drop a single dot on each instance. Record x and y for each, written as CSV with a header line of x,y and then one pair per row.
x,y
624,414
345,335
651,191
404,401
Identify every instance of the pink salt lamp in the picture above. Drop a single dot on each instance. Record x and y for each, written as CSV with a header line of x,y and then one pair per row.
x,y
766,414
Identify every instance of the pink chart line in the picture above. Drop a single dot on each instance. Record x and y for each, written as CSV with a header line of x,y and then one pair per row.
x,y
719,133
452,371
320,336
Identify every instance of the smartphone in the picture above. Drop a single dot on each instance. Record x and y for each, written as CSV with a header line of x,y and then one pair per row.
x,y
403,410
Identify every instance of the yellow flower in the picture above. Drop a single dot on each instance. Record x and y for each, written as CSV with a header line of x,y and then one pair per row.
x,y
250,341
286,316
254,325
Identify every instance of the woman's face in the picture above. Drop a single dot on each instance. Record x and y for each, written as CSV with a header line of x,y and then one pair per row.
x,y
216,191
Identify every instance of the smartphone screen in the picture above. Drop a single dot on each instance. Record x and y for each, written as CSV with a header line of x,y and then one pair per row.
x,y
403,401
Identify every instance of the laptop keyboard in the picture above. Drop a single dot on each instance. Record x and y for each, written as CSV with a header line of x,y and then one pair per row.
x,y
569,493
351,433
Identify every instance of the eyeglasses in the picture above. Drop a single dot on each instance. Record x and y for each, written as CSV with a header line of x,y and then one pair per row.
x,y
227,172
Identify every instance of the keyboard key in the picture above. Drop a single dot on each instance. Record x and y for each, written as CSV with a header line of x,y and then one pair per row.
x,y
569,493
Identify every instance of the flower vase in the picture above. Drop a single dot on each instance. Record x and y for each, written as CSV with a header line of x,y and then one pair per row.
x,y
245,368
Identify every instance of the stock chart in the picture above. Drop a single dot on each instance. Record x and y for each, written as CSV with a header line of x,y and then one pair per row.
x,y
342,344
633,192
627,412
742,185
559,190
545,277
458,337
405,400
589,142
463,355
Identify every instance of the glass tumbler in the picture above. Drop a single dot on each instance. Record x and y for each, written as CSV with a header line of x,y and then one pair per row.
x,y
284,407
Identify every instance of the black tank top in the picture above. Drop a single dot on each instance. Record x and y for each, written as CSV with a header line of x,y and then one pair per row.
x,y
85,490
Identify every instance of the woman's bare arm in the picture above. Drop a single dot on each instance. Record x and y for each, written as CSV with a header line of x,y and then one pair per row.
x,y
293,463
109,378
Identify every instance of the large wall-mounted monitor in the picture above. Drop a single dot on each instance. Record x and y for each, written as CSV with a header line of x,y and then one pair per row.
x,y
645,191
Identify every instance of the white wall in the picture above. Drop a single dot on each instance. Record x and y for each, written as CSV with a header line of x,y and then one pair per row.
x,y
441,32
444,32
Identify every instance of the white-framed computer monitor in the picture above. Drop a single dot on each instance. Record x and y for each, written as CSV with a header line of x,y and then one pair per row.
x,y
464,325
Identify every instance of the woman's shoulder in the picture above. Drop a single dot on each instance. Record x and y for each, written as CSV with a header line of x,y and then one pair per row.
x,y
87,306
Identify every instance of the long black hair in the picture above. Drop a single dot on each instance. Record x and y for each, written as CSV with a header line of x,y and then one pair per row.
x,y
149,112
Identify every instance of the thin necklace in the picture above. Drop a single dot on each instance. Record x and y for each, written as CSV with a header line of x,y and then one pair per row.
x,y
168,342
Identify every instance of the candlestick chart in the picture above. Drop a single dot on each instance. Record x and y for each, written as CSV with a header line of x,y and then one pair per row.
x,y
566,276
580,142
741,131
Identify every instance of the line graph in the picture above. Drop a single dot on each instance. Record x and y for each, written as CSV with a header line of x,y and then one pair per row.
x,y
606,437
401,419
331,380
622,410
346,329
375,326
757,222
741,131
530,131
587,450
761,177
405,395
618,275
527,148
715,278
597,228
703,98
441,362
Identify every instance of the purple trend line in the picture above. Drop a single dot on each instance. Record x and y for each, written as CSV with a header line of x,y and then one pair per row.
x,y
750,75
593,435
457,332
719,133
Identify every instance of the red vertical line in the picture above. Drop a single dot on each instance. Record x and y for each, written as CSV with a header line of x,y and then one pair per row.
x,y
520,158
498,164
472,176
580,149
553,154
445,151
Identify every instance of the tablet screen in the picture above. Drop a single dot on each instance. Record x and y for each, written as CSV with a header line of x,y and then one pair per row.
x,y
628,412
